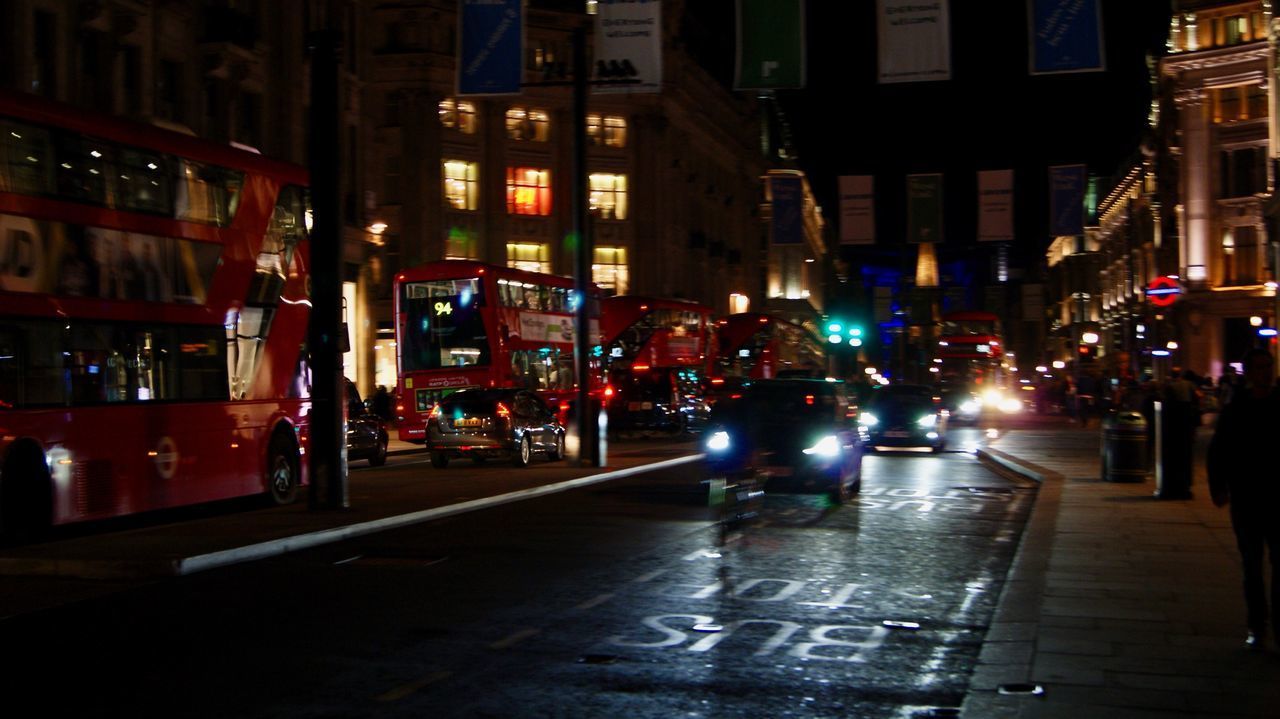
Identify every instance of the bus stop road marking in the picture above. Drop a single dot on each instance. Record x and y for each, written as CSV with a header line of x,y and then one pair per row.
x,y
514,639
405,690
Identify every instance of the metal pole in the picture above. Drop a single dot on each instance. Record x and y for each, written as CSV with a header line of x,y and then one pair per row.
x,y
585,421
327,446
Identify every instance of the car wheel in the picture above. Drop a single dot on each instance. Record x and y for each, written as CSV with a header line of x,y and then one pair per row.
x,y
282,470
841,492
557,452
379,456
523,452
439,460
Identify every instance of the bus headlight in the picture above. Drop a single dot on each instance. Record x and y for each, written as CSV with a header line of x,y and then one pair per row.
x,y
866,419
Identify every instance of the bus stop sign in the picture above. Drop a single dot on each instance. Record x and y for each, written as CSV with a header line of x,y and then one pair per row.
x,y
1163,291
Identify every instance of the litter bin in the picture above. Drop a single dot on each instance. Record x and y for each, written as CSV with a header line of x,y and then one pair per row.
x,y
1124,448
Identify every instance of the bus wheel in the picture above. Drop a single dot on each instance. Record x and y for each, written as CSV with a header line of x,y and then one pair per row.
x,y
282,470
439,460
523,453
26,495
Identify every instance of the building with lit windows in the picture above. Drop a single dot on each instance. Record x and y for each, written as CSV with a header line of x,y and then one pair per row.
x,y
1218,119
676,186
676,179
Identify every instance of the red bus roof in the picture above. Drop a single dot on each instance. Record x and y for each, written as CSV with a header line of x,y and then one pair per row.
x,y
448,269
42,111
619,312
738,328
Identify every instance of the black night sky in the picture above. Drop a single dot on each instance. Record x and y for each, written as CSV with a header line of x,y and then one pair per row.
x,y
992,114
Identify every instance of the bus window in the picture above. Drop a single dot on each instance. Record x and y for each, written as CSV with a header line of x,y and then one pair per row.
x,y
26,159
443,330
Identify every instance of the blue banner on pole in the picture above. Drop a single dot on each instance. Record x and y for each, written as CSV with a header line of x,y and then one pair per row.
x,y
490,47
786,195
1066,36
1066,200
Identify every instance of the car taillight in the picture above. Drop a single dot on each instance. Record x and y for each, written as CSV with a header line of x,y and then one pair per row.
x,y
608,391
503,412
435,412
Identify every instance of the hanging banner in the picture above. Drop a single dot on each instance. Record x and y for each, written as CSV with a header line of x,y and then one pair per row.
x,y
771,39
857,210
628,45
786,198
1066,200
490,47
1065,36
924,208
914,40
995,205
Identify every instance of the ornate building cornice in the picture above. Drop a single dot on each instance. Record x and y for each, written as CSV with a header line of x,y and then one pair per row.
x,y
1214,58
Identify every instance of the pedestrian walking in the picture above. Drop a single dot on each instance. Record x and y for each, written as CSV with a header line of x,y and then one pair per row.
x,y
1241,465
1180,416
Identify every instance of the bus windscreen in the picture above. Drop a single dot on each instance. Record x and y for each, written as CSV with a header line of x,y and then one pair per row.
x,y
443,325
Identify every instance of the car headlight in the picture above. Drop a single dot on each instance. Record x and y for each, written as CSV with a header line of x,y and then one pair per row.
x,y
1010,405
866,419
970,406
828,446
929,420
718,441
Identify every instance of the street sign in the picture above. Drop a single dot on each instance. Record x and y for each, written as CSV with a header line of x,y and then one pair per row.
x,y
1163,291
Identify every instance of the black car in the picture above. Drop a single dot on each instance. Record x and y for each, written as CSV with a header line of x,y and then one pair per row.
x,y
904,415
661,399
366,432
797,434
493,423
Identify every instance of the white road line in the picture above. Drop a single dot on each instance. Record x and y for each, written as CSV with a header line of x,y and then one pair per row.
x,y
276,547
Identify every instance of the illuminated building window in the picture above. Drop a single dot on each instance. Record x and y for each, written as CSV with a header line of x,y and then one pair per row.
x,y
460,244
528,191
529,256
461,184
524,124
609,270
1238,102
459,115
608,199
609,131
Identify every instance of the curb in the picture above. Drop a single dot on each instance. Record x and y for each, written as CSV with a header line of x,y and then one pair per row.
x,y
1009,646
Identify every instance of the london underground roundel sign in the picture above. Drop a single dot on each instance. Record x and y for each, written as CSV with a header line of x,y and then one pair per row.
x,y
1163,291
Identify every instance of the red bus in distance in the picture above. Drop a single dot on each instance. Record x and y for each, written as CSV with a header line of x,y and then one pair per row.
x,y
657,332
660,354
462,323
153,319
754,345
970,347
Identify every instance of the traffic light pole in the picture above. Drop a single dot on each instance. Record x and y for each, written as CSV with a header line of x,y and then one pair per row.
x,y
585,420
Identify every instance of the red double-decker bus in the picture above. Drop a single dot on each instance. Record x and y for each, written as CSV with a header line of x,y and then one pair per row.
x,y
153,315
970,348
754,345
461,323
660,353
657,332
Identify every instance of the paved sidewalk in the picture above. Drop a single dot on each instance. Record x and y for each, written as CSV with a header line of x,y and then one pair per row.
x,y
1117,604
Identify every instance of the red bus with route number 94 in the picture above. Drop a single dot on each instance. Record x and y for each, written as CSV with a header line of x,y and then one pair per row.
x,y
153,318
463,323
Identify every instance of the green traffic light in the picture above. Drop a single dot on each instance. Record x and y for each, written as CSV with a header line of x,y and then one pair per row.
x,y
834,328
855,331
